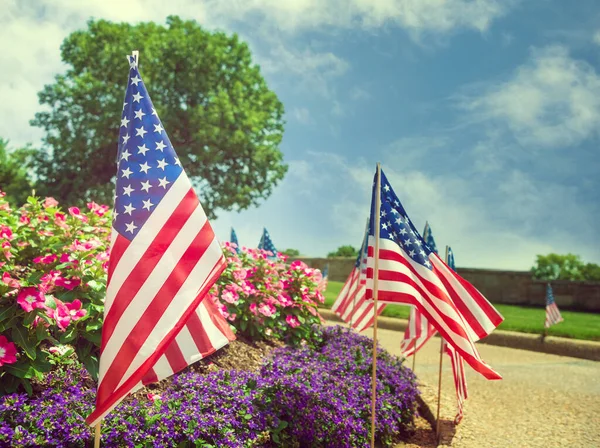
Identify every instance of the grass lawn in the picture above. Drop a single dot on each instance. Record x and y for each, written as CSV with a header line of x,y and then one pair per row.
x,y
576,325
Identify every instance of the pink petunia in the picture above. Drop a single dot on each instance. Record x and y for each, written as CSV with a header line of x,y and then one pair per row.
x,y
240,275
46,259
8,351
232,317
248,288
285,300
266,309
99,210
6,233
65,312
253,309
298,265
24,219
67,283
230,296
7,279
50,202
153,397
292,321
31,298
45,233
75,212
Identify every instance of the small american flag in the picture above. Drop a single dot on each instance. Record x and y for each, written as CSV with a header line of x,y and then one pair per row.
x,y
267,244
552,314
234,240
428,238
164,258
322,286
410,272
351,304
417,333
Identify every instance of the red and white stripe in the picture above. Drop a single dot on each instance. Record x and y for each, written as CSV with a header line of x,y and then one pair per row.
x,y
452,305
460,380
552,315
351,304
156,284
417,333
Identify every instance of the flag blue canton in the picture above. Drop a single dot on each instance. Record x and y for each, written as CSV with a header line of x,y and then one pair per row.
x,y
428,238
396,226
266,243
363,251
147,164
325,271
450,263
549,295
234,240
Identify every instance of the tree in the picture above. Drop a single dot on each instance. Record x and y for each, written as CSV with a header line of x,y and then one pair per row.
x,y
343,251
564,267
224,122
14,179
291,252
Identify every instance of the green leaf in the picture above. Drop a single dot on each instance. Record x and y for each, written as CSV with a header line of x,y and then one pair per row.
x,y
95,285
20,369
95,338
21,336
91,364
41,332
6,311
30,317
27,386
68,335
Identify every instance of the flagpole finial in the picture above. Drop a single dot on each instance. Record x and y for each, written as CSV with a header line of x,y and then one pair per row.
x,y
136,56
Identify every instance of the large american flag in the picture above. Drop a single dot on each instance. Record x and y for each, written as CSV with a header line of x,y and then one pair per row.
x,y
552,314
409,272
164,259
351,304
417,333
458,365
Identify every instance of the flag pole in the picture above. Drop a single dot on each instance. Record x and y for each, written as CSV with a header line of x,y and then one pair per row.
x,y
97,436
375,292
365,236
437,421
414,361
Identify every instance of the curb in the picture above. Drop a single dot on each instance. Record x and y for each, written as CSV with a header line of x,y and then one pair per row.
x,y
552,345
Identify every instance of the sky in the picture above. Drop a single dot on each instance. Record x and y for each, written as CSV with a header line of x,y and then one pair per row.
x,y
484,114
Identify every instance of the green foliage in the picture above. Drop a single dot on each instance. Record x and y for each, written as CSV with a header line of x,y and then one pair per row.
x,y
291,252
564,267
224,122
344,251
14,179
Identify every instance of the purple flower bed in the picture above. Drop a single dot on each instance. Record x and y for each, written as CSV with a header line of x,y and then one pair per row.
x,y
318,397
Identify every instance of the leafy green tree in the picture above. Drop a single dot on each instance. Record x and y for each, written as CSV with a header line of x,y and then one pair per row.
x,y
291,252
224,122
14,179
564,267
343,251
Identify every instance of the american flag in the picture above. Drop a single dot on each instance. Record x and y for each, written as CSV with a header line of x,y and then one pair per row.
x,y
417,333
552,314
350,304
460,379
234,240
322,286
458,365
266,243
164,259
409,272
428,238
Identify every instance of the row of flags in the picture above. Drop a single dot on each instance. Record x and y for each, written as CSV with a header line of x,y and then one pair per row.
x,y
265,242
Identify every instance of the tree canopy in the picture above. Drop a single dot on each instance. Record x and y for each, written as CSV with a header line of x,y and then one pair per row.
x,y
291,252
222,119
14,178
564,267
343,251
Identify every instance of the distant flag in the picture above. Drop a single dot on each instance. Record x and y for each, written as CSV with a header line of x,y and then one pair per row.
x,y
233,239
322,286
428,237
458,365
266,243
164,259
350,304
410,272
417,333
552,314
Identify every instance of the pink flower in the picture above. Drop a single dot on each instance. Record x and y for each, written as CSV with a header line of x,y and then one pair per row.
x,y
6,232
7,279
45,233
50,202
65,312
240,275
292,321
223,310
31,298
6,245
46,259
230,296
285,300
153,397
8,352
75,212
67,283
266,309
58,350
232,317
298,265
248,288
24,219
253,309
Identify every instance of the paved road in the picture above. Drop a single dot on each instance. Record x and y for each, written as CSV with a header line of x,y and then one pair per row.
x,y
542,401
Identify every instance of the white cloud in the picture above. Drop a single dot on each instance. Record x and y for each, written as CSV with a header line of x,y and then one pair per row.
x,y
551,101
301,115
596,37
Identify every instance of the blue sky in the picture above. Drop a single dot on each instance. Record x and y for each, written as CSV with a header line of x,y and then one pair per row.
x,y
484,115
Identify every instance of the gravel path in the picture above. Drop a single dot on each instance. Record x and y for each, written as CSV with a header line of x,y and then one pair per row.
x,y
542,401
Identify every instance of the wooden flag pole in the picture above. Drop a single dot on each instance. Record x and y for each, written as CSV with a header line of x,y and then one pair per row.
x,y
414,361
437,421
97,436
365,237
376,226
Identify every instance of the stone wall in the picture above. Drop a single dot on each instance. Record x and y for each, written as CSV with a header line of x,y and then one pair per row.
x,y
513,287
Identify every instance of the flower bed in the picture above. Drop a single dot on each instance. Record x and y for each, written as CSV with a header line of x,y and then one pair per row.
x,y
318,397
